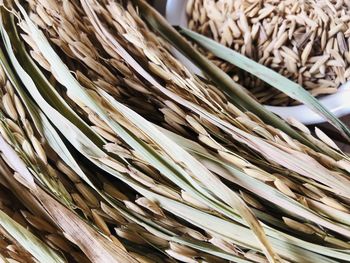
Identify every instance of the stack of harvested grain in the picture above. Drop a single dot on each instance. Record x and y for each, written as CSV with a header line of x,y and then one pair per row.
x,y
306,41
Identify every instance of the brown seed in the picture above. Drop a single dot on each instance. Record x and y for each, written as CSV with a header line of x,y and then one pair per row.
x,y
224,245
195,125
295,123
114,192
158,241
306,52
27,148
280,185
38,223
28,128
4,134
319,62
69,10
9,88
112,213
334,203
114,164
283,38
130,235
13,126
137,86
314,189
210,142
43,15
60,242
298,226
234,159
337,242
88,194
105,134
67,171
193,201
49,4
159,71
323,137
150,205
19,107
175,108
189,6
135,208
100,222
80,202
117,242
259,174
39,149
40,59
166,191
251,201
172,116
121,67
334,30
98,122
9,107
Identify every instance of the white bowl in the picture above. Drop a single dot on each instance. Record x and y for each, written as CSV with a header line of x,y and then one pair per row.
x,y
338,103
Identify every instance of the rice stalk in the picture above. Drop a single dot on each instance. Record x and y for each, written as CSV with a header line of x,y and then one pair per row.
x,y
27,237
80,194
187,231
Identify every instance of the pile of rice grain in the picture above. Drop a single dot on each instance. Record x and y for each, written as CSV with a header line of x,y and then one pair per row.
x,y
304,40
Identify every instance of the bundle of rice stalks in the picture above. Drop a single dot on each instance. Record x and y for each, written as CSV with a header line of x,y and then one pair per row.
x,y
132,158
27,234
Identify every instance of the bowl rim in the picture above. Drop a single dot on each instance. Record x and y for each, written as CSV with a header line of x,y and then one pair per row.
x,y
337,103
